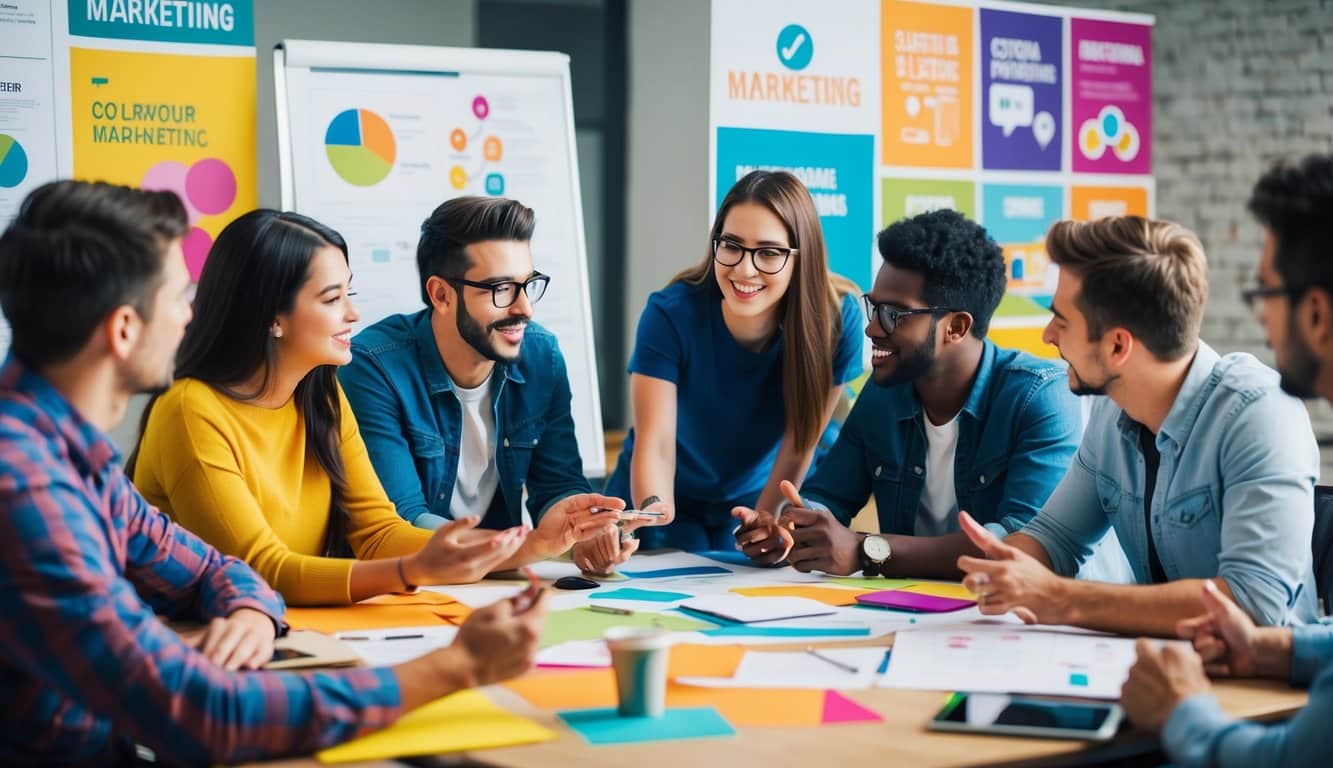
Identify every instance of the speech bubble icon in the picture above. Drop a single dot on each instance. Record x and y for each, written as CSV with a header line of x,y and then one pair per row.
x,y
1043,128
1010,106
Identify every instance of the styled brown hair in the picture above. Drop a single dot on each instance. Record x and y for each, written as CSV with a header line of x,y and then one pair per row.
x,y
1148,276
811,317
462,221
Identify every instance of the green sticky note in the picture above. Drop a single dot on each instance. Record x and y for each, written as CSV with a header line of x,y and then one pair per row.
x,y
583,624
876,583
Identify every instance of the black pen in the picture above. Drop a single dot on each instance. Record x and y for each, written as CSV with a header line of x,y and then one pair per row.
x,y
386,637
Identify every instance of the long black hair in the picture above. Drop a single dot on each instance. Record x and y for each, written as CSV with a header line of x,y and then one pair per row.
x,y
253,273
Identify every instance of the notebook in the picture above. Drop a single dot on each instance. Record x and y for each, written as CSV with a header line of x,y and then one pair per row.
x,y
912,601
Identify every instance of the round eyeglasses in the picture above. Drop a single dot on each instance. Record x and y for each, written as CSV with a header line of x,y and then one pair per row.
x,y
769,259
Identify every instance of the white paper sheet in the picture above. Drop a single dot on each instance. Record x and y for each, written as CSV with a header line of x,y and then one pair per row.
x,y
800,670
756,609
994,659
386,647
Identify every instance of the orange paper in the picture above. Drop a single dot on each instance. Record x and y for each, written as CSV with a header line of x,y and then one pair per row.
x,y
421,609
826,595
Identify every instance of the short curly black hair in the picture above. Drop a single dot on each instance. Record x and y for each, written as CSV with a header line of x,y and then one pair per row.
x,y
961,265
1295,202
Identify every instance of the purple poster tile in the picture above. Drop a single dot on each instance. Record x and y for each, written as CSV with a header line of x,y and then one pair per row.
x,y
1021,91
1112,96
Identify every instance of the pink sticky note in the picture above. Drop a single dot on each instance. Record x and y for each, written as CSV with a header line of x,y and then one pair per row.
x,y
840,709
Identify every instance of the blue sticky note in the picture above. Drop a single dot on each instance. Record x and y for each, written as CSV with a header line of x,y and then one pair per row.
x,y
649,595
693,570
730,557
605,726
750,630
1078,678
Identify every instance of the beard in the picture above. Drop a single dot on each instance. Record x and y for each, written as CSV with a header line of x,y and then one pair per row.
x,y
1300,371
911,367
479,337
1083,387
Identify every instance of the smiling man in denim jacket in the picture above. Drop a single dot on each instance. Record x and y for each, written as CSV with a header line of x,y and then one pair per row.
x,y
466,404
1198,461
950,422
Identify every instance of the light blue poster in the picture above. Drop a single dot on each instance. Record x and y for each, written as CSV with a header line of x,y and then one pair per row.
x,y
837,169
1017,216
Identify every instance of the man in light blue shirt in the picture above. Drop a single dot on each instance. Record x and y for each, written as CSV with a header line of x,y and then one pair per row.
x,y
1166,689
1183,457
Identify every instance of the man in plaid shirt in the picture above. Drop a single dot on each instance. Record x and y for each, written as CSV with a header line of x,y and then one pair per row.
x,y
94,285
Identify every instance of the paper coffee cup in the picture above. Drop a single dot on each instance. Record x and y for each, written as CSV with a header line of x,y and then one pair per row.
x,y
639,657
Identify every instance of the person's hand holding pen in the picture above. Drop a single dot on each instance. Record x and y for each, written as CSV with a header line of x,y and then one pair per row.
x,y
601,554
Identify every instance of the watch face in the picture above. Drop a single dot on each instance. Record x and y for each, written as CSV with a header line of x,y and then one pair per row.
x,y
876,548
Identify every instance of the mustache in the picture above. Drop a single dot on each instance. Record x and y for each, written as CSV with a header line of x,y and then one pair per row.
x,y
509,322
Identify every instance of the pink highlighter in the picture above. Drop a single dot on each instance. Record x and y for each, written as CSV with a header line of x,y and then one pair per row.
x,y
900,600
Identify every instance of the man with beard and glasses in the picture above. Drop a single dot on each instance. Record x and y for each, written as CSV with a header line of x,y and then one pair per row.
x,y
950,422
466,404
1167,690
1200,464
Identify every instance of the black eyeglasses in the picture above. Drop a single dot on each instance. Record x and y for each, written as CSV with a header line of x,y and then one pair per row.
x,y
888,317
1253,297
505,292
769,259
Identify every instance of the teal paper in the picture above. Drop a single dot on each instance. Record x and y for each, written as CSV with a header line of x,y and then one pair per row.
x,y
604,726
649,595
691,570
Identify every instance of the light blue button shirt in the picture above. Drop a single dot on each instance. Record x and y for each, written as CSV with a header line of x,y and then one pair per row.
x,y
1199,734
1234,496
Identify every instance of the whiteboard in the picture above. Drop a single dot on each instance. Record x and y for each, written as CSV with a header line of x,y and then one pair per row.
x,y
372,138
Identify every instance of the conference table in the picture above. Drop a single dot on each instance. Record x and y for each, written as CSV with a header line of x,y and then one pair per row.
x,y
901,739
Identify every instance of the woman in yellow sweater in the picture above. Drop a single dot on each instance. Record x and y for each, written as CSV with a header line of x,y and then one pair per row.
x,y
255,449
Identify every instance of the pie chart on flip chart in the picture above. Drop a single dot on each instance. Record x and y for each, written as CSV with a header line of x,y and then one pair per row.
x,y
13,162
360,146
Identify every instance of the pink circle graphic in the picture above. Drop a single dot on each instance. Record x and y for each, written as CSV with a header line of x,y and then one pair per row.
x,y
211,185
196,245
169,176
480,107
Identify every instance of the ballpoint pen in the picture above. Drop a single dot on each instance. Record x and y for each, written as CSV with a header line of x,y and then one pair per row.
x,y
848,668
609,609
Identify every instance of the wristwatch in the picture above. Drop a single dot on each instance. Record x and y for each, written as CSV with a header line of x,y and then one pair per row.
x,y
874,553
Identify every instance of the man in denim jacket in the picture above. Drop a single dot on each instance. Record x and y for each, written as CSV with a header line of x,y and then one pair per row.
x,y
1167,689
950,422
1201,465
466,404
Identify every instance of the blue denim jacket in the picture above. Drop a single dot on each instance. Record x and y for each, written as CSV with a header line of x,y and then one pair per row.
x,y
410,418
1016,434
1198,734
1234,495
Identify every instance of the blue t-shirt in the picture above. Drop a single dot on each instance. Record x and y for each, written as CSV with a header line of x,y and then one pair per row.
x,y
729,408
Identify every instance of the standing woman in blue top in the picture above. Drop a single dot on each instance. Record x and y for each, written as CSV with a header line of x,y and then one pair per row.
x,y
737,367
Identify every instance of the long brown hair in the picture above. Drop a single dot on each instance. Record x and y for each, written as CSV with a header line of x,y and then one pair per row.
x,y
811,312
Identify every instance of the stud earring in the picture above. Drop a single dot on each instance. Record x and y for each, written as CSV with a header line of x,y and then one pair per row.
x,y
277,332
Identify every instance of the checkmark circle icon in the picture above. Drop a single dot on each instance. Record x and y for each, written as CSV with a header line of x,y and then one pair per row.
x,y
795,47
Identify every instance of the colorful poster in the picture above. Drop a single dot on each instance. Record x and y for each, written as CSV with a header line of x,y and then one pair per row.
x,y
1021,91
837,169
1112,96
927,54
1091,203
1017,216
908,197
181,118
27,106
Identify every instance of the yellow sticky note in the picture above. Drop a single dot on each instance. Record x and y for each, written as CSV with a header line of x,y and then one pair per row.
x,y
941,589
466,720
826,595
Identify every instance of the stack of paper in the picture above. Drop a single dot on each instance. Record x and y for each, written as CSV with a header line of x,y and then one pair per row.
x,y
749,610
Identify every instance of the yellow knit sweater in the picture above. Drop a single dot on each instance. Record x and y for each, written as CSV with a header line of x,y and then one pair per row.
x,y
240,477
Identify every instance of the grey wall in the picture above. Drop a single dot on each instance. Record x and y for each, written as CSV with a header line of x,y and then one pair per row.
x,y
1237,85
668,211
